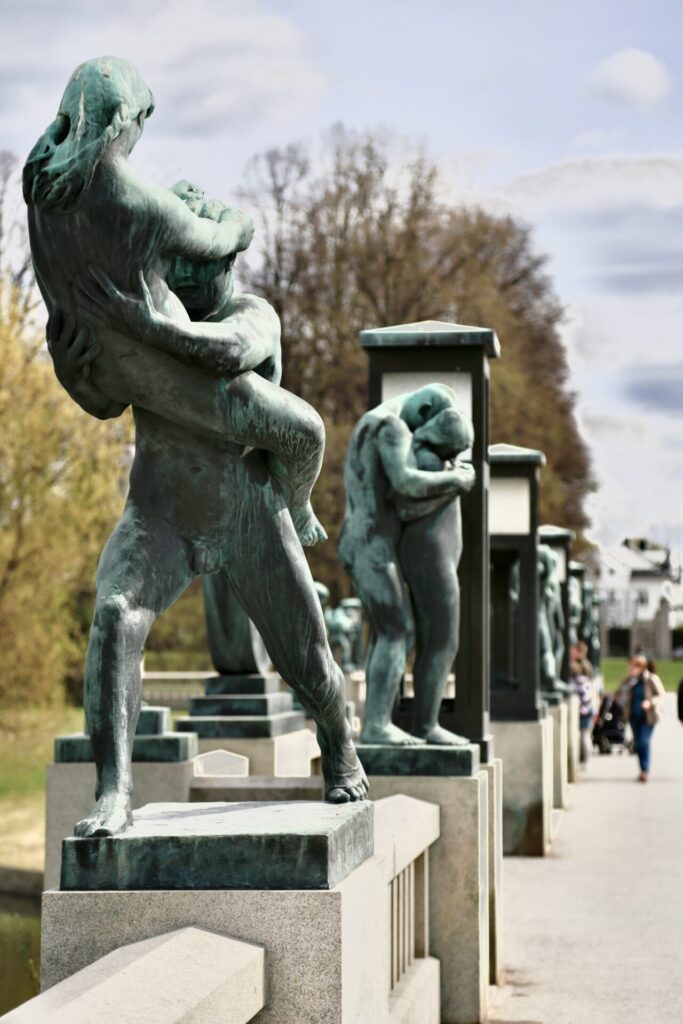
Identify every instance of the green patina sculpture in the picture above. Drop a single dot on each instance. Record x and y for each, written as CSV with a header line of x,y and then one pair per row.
x,y
590,624
402,528
225,459
575,609
550,621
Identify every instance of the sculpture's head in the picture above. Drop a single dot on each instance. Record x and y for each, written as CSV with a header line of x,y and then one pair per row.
x,y
447,434
203,286
437,423
105,102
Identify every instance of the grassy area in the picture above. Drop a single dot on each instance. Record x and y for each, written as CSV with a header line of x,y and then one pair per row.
x,y
26,743
615,670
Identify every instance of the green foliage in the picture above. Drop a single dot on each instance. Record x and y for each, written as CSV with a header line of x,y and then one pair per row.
x,y
62,478
349,242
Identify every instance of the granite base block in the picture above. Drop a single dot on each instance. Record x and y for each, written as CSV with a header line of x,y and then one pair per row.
x,y
494,771
257,787
242,684
70,795
225,846
382,759
573,737
290,755
171,747
240,705
246,727
558,714
458,887
153,721
526,752
326,951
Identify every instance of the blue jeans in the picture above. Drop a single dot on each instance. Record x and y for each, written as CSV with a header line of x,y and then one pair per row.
x,y
642,734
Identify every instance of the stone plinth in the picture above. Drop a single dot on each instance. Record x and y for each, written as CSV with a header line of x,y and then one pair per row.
x,y
71,786
573,737
428,759
249,683
558,714
225,846
171,747
257,787
326,950
292,755
494,771
459,887
224,727
526,752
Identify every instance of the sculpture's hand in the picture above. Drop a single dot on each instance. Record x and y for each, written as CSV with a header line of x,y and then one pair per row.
x,y
101,304
244,225
466,475
73,350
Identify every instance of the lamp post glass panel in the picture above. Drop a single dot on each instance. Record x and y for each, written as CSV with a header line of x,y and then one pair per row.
x,y
513,522
402,359
559,539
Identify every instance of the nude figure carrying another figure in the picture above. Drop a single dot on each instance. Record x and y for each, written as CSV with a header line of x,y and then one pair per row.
x,y
214,484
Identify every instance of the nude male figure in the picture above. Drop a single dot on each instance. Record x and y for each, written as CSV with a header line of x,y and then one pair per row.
x,y
403,525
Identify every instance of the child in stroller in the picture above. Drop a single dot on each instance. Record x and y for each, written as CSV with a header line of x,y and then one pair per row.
x,y
609,729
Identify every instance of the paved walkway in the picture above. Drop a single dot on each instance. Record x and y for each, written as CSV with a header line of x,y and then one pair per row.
x,y
594,932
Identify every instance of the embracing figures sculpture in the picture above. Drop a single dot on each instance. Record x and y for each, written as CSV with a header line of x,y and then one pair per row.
x,y
403,529
225,459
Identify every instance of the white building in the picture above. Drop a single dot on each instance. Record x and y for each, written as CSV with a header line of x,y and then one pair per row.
x,y
642,596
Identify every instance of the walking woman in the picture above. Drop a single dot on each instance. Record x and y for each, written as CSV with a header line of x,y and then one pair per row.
x,y
643,692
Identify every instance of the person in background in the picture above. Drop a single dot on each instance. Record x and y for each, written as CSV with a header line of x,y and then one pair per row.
x,y
642,692
680,702
583,686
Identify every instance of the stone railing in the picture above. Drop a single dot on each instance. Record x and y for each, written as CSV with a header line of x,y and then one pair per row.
x,y
188,974
405,828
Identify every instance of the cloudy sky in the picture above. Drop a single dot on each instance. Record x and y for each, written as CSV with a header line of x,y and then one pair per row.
x,y
568,114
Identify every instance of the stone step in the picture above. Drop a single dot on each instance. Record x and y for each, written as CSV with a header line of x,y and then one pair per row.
x,y
172,746
307,845
248,727
256,787
153,721
425,759
254,704
248,684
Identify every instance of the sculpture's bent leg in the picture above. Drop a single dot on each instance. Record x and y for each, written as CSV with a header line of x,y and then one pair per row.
x,y
267,567
144,567
381,593
263,415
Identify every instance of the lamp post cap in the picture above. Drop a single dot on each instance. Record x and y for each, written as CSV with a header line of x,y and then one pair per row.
x,y
514,453
432,332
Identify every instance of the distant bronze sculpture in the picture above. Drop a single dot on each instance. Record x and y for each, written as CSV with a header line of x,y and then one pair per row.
x,y
550,621
402,528
575,609
225,459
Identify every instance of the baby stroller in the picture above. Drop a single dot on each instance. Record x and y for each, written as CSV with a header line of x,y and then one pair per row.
x,y
609,728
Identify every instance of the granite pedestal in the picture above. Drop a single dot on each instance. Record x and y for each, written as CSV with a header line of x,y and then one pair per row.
x,y
163,770
495,791
557,710
573,737
526,752
250,715
459,864
327,951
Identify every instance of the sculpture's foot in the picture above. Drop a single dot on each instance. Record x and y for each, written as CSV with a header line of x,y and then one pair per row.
x,y
112,814
308,529
444,737
391,735
345,779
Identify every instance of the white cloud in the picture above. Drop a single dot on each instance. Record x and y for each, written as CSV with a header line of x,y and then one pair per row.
x,y
633,78
213,65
